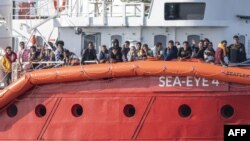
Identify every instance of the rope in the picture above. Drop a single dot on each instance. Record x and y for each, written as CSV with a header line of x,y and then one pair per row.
x,y
4,77
155,73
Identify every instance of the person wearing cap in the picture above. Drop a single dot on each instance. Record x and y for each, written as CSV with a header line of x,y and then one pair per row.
x,y
237,51
221,53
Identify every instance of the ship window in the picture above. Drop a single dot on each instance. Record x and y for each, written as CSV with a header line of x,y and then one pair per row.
x,y
227,111
184,110
196,38
12,110
160,39
184,11
118,37
77,110
40,110
129,110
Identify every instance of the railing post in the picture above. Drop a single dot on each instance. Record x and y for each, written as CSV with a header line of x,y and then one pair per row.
x,y
142,13
87,13
104,13
124,16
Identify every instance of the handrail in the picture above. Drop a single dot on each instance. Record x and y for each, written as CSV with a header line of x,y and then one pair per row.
x,y
71,8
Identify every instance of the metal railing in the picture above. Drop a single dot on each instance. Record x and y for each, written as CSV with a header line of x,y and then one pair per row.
x,y
43,9
19,69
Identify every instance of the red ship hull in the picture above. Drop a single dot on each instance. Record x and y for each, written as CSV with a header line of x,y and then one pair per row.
x,y
133,108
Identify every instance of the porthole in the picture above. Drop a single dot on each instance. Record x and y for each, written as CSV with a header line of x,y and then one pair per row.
x,y
40,110
227,111
184,111
12,110
129,110
77,110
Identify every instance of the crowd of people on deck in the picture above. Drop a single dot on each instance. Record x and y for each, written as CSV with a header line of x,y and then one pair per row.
x,y
204,50
36,57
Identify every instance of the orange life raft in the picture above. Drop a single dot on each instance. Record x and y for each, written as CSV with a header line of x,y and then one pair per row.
x,y
140,68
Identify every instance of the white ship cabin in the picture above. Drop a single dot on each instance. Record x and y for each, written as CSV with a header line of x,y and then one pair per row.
x,y
5,24
77,22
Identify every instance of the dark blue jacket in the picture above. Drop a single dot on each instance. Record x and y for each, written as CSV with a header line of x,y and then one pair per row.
x,y
237,55
169,54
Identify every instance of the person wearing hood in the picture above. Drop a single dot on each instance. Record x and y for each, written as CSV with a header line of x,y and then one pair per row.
x,y
221,53
115,52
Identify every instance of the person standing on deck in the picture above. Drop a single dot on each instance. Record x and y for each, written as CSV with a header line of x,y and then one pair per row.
x,y
6,62
146,52
206,42
23,56
237,51
200,53
170,52
132,55
89,54
184,52
158,51
221,53
138,48
115,56
115,52
104,55
209,53
125,51
59,51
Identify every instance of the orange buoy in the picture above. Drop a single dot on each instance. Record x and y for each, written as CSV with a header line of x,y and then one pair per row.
x,y
33,40
61,7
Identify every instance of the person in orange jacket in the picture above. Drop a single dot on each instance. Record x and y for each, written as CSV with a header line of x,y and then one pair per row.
x,y
221,53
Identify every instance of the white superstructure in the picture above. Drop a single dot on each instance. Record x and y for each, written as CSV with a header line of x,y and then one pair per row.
x,y
148,21
5,23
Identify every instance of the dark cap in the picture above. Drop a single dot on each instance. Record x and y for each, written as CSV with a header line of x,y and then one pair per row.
x,y
235,37
60,42
171,41
224,41
206,40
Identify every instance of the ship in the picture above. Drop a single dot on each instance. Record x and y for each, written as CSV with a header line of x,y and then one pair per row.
x,y
141,100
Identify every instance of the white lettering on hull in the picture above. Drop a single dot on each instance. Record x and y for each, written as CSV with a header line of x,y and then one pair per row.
x,y
189,81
